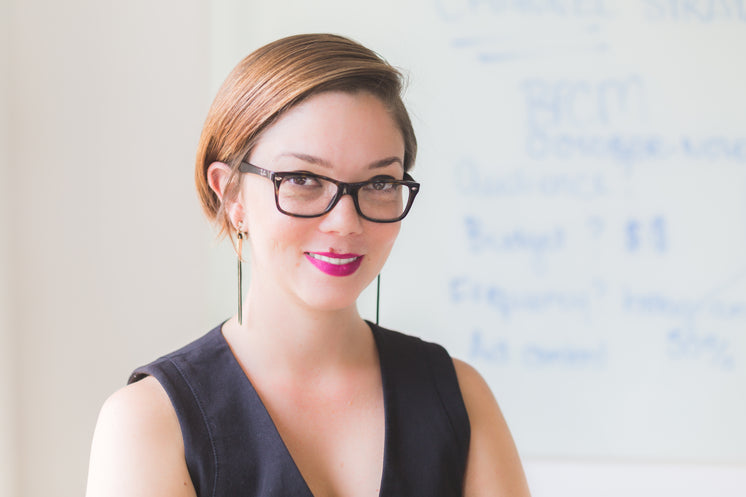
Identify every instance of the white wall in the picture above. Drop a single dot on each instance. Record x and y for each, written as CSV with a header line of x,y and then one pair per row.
x,y
610,478
7,367
106,102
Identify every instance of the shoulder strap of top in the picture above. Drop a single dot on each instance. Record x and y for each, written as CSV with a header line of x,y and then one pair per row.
x,y
190,403
427,426
225,427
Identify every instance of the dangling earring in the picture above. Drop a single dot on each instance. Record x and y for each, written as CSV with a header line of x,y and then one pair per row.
x,y
239,250
378,295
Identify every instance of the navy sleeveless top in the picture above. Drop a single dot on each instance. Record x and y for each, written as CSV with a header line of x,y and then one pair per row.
x,y
233,449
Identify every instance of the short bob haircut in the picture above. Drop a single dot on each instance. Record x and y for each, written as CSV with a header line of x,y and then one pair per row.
x,y
273,79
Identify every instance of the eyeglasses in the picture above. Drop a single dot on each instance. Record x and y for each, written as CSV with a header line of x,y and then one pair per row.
x,y
302,194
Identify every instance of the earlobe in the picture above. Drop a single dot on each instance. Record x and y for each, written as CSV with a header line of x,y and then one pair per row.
x,y
235,213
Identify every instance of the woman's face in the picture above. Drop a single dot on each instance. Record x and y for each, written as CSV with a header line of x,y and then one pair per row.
x,y
325,262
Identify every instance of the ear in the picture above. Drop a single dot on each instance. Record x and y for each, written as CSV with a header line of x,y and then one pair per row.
x,y
218,174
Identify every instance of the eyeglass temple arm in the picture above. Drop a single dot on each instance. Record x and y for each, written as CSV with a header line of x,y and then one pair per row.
x,y
246,167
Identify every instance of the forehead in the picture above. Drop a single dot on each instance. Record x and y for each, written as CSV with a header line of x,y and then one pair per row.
x,y
337,127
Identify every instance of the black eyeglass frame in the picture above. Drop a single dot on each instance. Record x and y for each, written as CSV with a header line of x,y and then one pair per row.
x,y
342,189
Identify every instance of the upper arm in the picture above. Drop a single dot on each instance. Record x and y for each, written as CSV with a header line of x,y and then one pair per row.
x,y
137,447
493,468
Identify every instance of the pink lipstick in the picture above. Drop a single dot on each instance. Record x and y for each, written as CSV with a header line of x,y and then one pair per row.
x,y
335,264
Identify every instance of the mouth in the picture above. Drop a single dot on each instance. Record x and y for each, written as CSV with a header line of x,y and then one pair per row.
x,y
335,264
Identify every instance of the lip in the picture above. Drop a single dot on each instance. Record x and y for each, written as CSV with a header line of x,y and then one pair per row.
x,y
335,264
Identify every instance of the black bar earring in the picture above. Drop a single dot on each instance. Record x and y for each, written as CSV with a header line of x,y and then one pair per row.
x,y
378,295
239,250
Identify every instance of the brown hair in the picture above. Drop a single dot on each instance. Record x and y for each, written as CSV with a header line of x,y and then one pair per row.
x,y
277,77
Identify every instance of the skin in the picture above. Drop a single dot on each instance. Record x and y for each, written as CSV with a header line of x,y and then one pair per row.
x,y
316,369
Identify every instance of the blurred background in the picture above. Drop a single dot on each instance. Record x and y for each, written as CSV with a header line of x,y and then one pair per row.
x,y
103,244
106,260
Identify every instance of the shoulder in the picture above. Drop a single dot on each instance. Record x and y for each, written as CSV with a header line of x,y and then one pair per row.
x,y
474,388
198,355
139,405
493,466
403,344
137,446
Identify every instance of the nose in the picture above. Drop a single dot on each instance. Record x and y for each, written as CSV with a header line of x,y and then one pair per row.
x,y
343,219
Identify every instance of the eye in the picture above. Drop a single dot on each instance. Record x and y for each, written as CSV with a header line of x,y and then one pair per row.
x,y
301,180
382,184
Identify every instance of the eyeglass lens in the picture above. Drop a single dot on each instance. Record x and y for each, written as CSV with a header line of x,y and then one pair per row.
x,y
306,195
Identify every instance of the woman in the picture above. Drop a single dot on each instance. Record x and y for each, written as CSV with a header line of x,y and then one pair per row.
x,y
304,155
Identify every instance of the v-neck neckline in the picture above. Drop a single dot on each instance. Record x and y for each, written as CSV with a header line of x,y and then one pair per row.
x,y
277,437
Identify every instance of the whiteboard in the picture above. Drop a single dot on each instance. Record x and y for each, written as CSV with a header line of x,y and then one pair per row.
x,y
580,236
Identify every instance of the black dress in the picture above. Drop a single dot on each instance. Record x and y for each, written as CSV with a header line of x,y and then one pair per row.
x,y
233,449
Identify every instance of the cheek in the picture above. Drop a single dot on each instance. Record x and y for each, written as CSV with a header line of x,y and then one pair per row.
x,y
386,234
260,214
272,232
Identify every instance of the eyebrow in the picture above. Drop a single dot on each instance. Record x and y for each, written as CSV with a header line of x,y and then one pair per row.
x,y
325,163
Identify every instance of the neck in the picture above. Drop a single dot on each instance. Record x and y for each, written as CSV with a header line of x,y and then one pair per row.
x,y
294,339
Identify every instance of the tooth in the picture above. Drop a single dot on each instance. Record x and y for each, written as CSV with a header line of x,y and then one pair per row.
x,y
333,260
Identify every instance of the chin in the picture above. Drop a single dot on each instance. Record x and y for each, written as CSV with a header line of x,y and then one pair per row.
x,y
326,298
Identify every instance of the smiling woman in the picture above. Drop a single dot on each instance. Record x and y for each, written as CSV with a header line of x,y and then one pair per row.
x,y
305,154
315,136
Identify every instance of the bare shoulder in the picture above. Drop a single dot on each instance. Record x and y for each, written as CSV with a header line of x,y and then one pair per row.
x,y
469,378
137,446
493,467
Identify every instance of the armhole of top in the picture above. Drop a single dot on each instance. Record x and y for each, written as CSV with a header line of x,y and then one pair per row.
x,y
192,418
446,384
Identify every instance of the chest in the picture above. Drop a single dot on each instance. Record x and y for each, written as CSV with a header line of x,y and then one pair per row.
x,y
325,415
335,437
321,446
